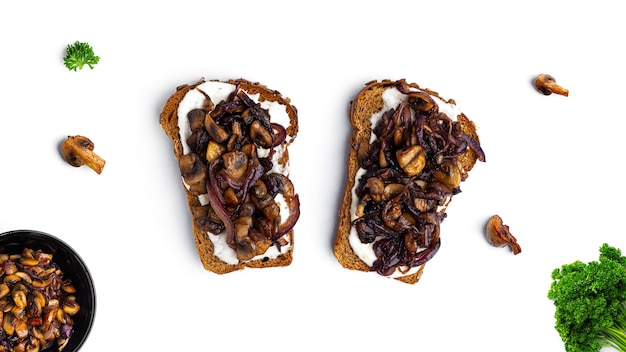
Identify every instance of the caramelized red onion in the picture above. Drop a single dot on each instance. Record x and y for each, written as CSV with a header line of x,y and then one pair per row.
x,y
255,171
281,184
474,146
294,215
392,255
279,135
217,204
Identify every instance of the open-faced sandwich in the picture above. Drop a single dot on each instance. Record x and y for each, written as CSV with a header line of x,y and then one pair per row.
x,y
409,152
230,139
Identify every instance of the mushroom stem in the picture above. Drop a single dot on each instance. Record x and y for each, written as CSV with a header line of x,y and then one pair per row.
x,y
78,151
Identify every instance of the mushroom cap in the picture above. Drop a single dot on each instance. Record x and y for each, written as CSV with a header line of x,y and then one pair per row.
x,y
192,169
235,164
71,149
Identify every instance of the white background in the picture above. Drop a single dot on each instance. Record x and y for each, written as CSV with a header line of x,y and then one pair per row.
x,y
553,171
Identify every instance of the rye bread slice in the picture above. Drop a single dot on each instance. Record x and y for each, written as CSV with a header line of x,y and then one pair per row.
x,y
169,122
367,102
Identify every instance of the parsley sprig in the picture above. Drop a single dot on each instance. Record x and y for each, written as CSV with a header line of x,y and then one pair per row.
x,y
78,55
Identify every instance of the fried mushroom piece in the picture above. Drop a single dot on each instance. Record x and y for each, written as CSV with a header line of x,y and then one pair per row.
x,y
547,85
499,235
245,247
192,169
78,151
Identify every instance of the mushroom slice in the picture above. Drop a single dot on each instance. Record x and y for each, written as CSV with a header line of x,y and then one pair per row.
x,y
421,101
204,217
216,132
29,261
259,189
49,316
271,211
78,151
376,188
214,150
412,159
235,165
281,184
4,290
44,258
449,174
11,279
70,306
391,190
196,119
261,135
230,197
68,286
61,316
192,169
24,276
39,299
499,235
245,247
19,298
37,334
43,283
34,346
261,242
8,324
21,329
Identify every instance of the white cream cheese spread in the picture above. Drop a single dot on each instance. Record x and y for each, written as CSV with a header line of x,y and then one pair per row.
x,y
392,98
220,91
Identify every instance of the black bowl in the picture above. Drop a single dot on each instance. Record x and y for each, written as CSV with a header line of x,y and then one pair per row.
x,y
73,267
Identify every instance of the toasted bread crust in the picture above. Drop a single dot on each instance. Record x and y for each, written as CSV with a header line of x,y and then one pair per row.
x,y
169,123
367,102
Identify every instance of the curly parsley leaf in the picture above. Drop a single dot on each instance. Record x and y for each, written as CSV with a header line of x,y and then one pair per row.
x,y
78,55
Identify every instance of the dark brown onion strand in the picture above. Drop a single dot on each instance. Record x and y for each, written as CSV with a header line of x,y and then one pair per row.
x,y
294,214
426,254
217,203
280,134
474,146
255,172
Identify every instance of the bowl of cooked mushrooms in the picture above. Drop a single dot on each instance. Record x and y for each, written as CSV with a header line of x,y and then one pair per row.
x,y
47,294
